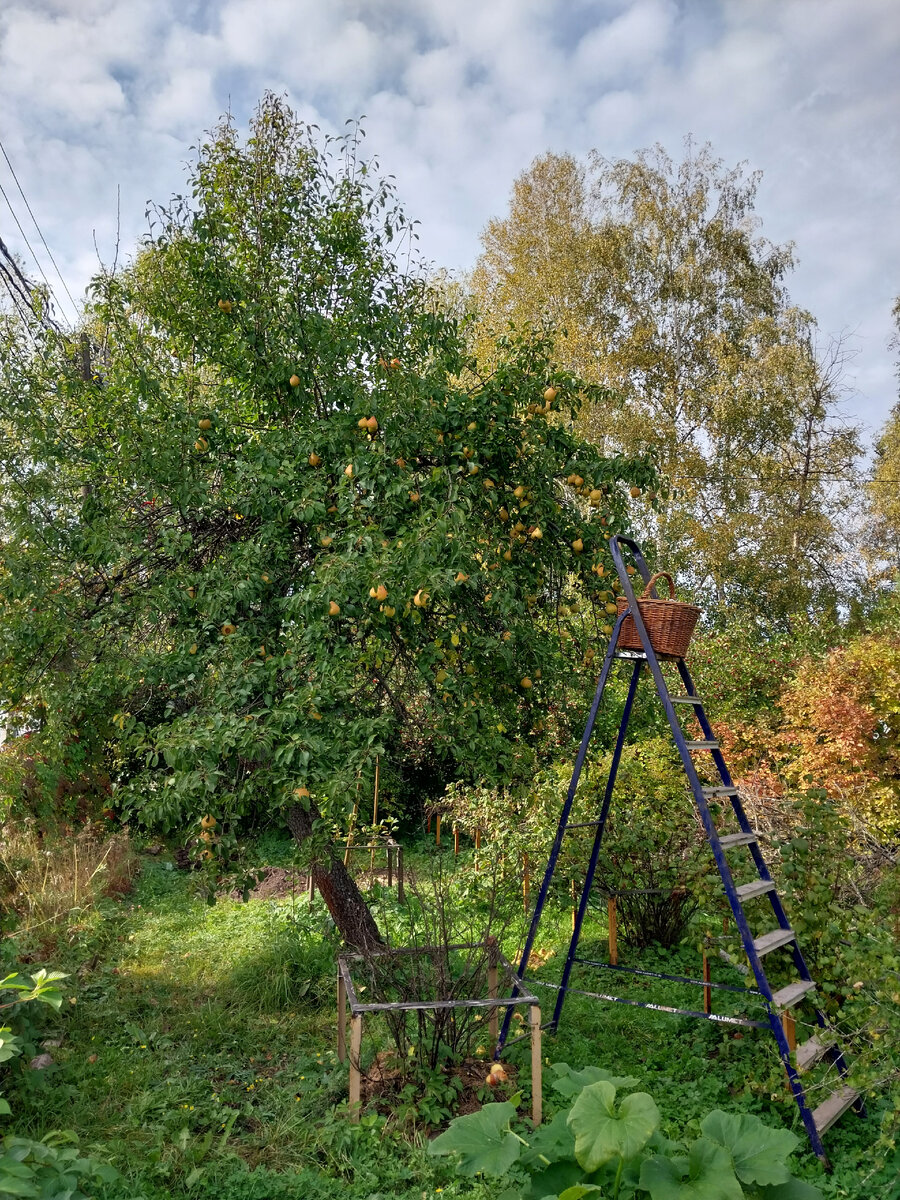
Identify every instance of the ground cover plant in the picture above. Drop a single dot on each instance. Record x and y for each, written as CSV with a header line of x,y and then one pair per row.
x,y
198,1056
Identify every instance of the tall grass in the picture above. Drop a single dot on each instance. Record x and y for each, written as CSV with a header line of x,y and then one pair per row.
x,y
48,880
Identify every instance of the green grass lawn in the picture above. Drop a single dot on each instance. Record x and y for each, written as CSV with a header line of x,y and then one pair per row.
x,y
197,1053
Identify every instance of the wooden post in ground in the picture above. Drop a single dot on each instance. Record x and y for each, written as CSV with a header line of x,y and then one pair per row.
x,y
613,941
437,834
355,1076
400,892
707,990
537,1107
374,813
789,1025
342,1018
390,865
490,945
311,883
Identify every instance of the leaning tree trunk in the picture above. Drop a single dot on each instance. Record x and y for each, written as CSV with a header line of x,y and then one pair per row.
x,y
345,902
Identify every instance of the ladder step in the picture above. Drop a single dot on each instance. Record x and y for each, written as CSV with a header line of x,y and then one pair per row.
x,y
810,1053
719,791
687,700
702,745
835,1106
737,839
788,996
759,887
582,825
771,941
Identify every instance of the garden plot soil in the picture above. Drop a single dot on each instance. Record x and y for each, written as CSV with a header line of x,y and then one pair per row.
x,y
384,1081
278,882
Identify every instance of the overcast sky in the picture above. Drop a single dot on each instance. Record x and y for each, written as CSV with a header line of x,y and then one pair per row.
x,y
460,96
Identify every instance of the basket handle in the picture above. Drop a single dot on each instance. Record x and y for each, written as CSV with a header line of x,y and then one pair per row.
x,y
645,595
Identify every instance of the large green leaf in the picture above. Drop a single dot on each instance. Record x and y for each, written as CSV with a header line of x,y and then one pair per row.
x,y
602,1132
580,1190
569,1082
706,1174
550,1143
482,1140
758,1152
794,1189
555,1179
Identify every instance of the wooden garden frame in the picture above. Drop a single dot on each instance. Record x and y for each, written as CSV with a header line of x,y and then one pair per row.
x,y
497,962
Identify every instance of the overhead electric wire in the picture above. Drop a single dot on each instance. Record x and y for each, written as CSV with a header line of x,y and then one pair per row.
x,y
39,232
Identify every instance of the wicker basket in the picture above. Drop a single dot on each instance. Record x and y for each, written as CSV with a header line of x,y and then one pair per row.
x,y
670,623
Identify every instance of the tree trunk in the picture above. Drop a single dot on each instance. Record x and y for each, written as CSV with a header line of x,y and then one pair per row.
x,y
351,914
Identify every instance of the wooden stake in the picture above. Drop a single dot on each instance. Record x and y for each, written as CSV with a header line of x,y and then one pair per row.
x,y
613,944
574,909
490,944
400,892
526,884
455,840
707,991
477,839
537,1107
429,822
355,1079
311,884
437,826
342,1019
374,815
789,1025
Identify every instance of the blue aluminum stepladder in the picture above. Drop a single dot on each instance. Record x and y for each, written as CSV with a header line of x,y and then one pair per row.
x,y
779,1004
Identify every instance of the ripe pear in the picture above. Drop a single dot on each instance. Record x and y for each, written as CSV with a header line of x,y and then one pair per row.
x,y
314,459
225,305
578,545
206,423
333,608
294,381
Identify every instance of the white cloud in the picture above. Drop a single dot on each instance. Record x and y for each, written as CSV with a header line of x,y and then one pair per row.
x,y
462,96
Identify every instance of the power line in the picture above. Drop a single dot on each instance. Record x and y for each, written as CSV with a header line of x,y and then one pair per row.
x,y
39,232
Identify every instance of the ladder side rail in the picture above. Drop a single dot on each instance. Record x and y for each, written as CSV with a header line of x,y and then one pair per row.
x,y
712,835
608,661
744,823
595,849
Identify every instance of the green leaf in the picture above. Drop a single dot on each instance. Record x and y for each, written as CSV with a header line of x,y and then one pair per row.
x,y
793,1189
482,1140
602,1133
757,1152
555,1179
579,1190
708,1170
550,1143
569,1082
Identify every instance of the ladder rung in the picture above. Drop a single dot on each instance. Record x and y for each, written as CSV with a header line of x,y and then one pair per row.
x,y
582,825
810,1053
719,790
687,700
835,1106
701,745
771,941
788,996
737,839
758,887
